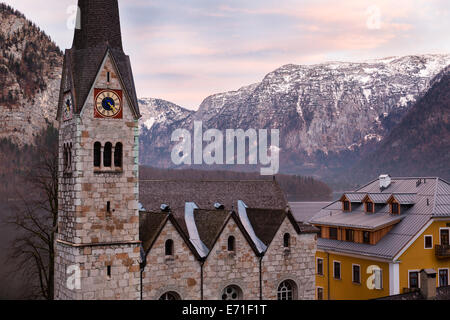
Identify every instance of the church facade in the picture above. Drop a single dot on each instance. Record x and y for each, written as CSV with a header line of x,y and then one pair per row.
x,y
121,238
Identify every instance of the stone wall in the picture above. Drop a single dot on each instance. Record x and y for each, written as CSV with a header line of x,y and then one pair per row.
x,y
123,283
179,273
222,268
84,193
296,264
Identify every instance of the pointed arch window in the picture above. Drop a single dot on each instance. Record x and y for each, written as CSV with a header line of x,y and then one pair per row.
x,y
231,244
107,155
118,155
169,247
97,154
286,240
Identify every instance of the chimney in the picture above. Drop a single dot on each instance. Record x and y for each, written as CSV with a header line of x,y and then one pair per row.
x,y
428,283
385,181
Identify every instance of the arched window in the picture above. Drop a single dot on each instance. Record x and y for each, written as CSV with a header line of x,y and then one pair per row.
x,y
232,293
169,247
231,243
287,290
171,296
97,154
107,154
118,155
287,240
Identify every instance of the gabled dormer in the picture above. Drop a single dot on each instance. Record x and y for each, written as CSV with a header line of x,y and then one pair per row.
x,y
400,202
346,204
350,201
369,204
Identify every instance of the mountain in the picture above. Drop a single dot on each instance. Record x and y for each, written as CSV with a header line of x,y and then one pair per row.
x,y
329,115
30,75
420,144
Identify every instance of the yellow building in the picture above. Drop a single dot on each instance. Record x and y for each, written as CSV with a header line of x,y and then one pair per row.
x,y
375,241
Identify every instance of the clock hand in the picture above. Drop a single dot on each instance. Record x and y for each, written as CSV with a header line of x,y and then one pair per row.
x,y
112,107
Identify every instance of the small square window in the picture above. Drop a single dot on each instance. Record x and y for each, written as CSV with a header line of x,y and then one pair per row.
x,y
366,237
395,208
356,274
428,242
349,235
333,233
414,279
346,205
319,293
320,267
337,270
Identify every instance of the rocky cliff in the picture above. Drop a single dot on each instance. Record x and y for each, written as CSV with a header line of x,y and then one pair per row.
x,y
327,113
30,73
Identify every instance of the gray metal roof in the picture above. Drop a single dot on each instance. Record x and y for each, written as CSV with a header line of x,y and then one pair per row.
x,y
430,197
379,197
358,219
355,196
405,198
303,211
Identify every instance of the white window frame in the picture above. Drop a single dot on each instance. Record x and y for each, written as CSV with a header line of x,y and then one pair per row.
x,y
448,276
317,293
353,274
340,270
317,267
425,243
418,277
440,233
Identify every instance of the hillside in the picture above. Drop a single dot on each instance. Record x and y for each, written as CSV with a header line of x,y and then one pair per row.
x,y
420,144
30,75
329,115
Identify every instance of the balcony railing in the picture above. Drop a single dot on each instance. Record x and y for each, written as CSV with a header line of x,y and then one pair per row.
x,y
442,251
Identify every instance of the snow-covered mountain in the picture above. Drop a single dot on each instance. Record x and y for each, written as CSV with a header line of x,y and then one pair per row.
x,y
325,112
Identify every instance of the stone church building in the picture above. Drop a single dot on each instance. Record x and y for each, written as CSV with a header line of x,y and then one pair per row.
x,y
121,238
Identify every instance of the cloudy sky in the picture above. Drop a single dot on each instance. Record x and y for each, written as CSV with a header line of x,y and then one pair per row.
x,y
186,50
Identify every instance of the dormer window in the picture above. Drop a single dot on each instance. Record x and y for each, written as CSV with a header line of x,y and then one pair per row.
x,y
346,205
366,237
370,207
395,208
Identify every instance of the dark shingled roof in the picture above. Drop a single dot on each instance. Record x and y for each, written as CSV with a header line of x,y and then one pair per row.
x,y
264,194
100,33
210,224
100,23
266,222
267,207
150,224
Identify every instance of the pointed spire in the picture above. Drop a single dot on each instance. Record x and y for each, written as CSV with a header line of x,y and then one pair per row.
x,y
100,24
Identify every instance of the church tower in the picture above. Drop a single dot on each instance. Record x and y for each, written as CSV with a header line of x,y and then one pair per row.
x,y
97,249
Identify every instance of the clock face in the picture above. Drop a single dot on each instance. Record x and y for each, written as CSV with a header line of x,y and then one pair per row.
x,y
68,107
108,104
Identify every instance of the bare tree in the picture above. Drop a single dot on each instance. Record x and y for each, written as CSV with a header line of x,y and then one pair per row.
x,y
35,219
